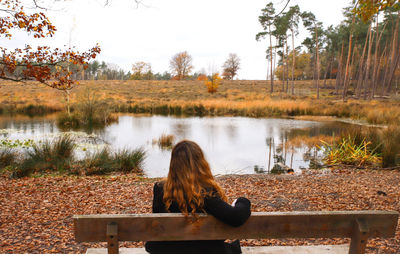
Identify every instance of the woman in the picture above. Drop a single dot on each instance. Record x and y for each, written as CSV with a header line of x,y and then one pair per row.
x,y
190,188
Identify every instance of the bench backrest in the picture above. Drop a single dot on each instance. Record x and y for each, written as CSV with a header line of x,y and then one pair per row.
x,y
171,227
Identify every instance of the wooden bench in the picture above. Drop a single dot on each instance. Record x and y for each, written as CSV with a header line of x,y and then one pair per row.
x,y
357,225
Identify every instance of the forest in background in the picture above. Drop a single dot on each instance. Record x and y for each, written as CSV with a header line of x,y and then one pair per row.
x,y
361,56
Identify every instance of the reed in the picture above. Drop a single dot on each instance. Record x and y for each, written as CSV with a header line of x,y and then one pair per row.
x,y
129,160
371,113
350,152
8,157
391,146
29,109
165,141
56,155
105,162
366,146
97,163
89,111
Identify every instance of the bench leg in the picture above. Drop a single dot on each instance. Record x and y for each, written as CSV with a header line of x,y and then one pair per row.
x,y
359,237
112,238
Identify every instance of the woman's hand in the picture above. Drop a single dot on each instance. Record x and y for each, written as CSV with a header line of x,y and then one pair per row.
x,y
234,202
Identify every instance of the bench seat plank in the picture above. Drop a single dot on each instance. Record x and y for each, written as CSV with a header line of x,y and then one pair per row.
x,y
261,225
317,249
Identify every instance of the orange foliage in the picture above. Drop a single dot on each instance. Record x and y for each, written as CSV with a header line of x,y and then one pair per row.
x,y
43,64
366,9
213,84
202,77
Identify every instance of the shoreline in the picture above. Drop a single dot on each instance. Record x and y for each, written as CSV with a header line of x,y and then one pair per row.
x,y
195,110
190,98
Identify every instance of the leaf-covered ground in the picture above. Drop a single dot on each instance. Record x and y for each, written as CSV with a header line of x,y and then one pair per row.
x,y
36,213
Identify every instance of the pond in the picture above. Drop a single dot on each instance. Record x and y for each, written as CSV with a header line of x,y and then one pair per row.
x,y
232,145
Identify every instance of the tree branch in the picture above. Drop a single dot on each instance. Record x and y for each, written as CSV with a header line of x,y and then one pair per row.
x,y
38,6
138,2
35,64
13,79
287,3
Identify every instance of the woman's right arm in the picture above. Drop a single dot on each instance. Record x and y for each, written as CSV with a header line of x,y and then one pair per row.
x,y
158,193
233,215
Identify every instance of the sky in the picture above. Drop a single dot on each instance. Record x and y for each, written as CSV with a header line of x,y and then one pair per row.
x,y
154,32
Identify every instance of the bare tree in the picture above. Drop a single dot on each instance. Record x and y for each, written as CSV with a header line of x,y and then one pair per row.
x,y
231,66
181,65
141,70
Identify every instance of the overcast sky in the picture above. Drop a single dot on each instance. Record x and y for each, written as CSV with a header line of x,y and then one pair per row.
x,y
208,29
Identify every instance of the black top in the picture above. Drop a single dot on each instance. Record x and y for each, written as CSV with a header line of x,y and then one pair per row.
x,y
214,205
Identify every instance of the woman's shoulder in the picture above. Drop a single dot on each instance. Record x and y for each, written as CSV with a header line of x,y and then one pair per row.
x,y
159,186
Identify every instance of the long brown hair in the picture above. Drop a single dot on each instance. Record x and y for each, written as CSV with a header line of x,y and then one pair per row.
x,y
189,179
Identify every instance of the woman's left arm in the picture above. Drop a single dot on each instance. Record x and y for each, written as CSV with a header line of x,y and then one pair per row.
x,y
233,215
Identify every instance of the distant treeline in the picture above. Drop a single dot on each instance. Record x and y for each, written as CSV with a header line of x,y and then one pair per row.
x,y
109,71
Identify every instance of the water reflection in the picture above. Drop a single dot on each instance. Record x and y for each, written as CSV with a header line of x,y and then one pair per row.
x,y
182,129
232,145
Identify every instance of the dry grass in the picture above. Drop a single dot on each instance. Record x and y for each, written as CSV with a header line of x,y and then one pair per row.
x,y
244,98
165,141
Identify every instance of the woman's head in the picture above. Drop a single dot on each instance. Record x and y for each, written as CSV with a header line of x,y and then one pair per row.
x,y
189,179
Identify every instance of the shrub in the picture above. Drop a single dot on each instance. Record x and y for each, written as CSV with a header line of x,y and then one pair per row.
x,y
391,146
351,152
165,141
67,120
7,157
385,142
98,163
47,155
214,82
104,162
127,161
90,111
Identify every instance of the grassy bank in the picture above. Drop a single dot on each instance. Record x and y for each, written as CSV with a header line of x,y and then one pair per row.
x,y
374,113
233,98
357,146
57,156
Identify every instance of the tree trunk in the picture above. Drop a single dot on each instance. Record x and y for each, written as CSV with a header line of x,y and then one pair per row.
x,y
283,69
366,77
381,62
67,98
385,71
272,74
331,68
352,64
394,58
287,66
361,68
317,55
339,73
392,71
293,61
376,58
326,73
346,74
